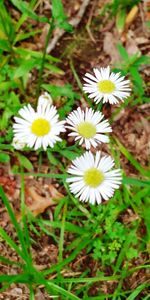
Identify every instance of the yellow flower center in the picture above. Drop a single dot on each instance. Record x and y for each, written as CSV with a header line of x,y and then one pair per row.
x,y
86,130
40,127
93,177
106,86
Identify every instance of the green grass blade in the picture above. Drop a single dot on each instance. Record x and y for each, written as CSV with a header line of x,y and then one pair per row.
x,y
21,278
11,243
91,279
31,293
10,262
132,160
137,291
62,232
24,220
50,175
61,291
135,181
68,226
19,232
85,241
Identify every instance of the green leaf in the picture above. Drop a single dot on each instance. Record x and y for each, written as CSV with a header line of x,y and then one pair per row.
x,y
53,160
25,8
25,67
4,45
68,154
6,147
144,59
35,54
138,82
6,23
148,24
25,162
57,91
54,69
120,20
131,253
26,35
4,158
123,53
59,16
15,101
5,118
7,85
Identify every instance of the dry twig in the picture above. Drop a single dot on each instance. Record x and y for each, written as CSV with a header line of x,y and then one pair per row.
x,y
74,22
89,23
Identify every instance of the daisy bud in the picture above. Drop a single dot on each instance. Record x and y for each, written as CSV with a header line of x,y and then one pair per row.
x,y
18,144
45,98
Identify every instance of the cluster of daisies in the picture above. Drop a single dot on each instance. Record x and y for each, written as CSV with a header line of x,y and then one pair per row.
x,y
91,176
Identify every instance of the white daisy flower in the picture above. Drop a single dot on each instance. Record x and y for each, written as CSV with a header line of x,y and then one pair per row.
x,y
93,178
106,85
18,144
87,127
39,128
44,99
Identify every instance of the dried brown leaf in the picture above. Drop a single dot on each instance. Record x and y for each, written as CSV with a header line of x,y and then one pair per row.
x,y
131,45
37,204
110,47
131,16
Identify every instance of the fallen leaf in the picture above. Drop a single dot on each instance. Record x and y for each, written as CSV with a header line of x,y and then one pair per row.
x,y
39,295
110,47
131,45
131,16
54,193
146,125
38,204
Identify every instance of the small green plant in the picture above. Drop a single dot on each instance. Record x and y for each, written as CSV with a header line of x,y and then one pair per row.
x,y
117,5
119,9
110,241
132,65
